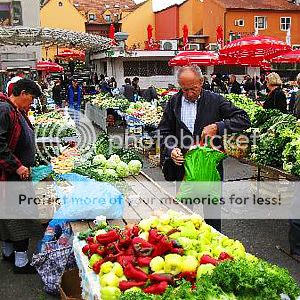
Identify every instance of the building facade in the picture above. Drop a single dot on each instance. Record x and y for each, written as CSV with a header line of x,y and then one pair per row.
x,y
19,13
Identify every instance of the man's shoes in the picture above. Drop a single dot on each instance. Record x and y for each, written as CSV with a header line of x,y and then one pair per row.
x,y
10,258
27,269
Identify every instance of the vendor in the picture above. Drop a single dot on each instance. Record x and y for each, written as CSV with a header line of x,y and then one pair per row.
x,y
17,155
194,113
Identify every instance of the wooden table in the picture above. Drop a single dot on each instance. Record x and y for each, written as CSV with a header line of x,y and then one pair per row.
x,y
145,198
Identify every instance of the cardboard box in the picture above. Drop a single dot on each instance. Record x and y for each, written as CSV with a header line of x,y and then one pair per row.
x,y
70,285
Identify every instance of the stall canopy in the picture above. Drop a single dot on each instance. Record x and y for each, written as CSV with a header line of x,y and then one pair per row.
x,y
253,49
27,36
203,58
49,67
71,53
289,58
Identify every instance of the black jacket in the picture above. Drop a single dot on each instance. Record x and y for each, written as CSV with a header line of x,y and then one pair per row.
x,y
212,108
276,100
235,88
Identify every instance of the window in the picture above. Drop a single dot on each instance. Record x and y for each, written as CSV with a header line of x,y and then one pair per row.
x,y
107,18
296,47
285,23
260,23
240,23
147,68
60,3
92,17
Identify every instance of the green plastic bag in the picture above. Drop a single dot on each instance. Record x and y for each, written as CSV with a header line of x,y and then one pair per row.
x,y
202,179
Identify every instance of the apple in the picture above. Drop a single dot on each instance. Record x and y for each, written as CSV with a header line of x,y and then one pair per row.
x,y
204,269
117,269
94,258
106,267
110,293
189,263
157,264
109,279
173,264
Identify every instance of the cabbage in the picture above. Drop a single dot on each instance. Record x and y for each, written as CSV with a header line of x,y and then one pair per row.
x,y
99,160
135,167
115,158
122,169
111,174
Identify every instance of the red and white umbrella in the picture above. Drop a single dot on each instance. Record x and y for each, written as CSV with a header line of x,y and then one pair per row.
x,y
288,58
253,49
71,53
203,58
50,67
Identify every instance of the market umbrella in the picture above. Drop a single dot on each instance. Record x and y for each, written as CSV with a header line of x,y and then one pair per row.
x,y
50,67
185,35
203,58
253,49
288,58
111,33
150,34
220,39
71,53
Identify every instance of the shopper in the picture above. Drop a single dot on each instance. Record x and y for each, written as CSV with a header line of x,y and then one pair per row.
x,y
128,90
74,95
276,97
297,100
113,83
57,93
20,74
17,154
234,86
217,85
137,89
193,113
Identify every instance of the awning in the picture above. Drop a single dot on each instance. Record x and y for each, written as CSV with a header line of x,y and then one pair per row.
x,y
71,53
289,58
49,67
202,58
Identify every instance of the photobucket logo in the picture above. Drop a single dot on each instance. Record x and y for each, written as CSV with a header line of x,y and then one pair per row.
x,y
68,126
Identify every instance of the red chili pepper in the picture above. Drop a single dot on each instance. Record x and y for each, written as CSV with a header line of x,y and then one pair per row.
x,y
154,237
108,237
144,261
125,285
161,277
130,250
179,251
124,260
125,241
224,256
93,248
97,266
142,247
162,248
157,288
132,273
85,249
90,239
135,230
206,259
101,251
189,276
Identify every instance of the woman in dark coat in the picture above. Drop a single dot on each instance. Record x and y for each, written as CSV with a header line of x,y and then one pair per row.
x,y
17,154
276,97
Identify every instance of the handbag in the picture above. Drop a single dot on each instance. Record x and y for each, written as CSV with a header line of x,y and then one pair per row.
x,y
171,171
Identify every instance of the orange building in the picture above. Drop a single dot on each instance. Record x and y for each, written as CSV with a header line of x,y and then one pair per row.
x,y
244,17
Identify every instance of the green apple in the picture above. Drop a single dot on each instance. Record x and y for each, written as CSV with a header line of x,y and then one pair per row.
x,y
157,263
109,279
144,235
117,269
133,289
189,263
106,267
110,293
205,269
94,258
173,264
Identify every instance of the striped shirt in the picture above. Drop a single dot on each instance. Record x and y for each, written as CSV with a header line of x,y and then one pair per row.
x,y
189,113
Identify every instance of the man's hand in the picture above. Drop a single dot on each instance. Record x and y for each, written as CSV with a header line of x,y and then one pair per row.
x,y
177,156
23,172
210,131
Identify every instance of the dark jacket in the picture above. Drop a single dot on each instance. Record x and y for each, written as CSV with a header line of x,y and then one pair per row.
x,y
276,100
75,97
129,92
235,88
212,108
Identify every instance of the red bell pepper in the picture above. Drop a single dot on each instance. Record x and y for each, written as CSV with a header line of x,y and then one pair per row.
x,y
157,288
144,261
135,274
108,237
161,277
207,259
224,256
125,285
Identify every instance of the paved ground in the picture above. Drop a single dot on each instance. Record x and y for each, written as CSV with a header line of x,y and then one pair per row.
x,y
259,236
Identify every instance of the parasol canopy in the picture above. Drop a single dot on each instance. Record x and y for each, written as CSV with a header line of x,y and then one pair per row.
x,y
185,31
71,53
49,67
288,58
203,58
253,49
111,33
220,34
